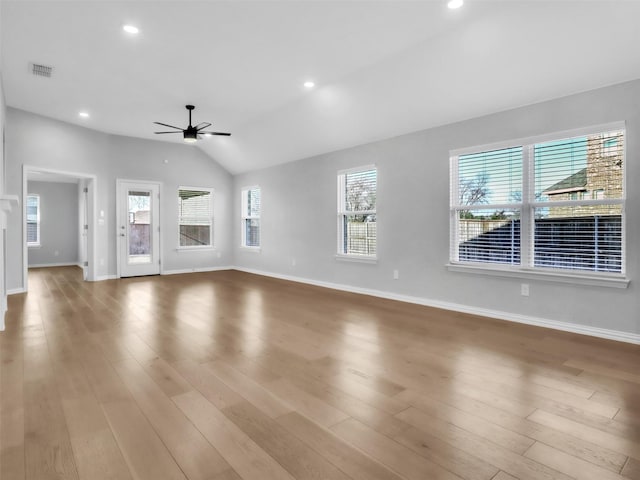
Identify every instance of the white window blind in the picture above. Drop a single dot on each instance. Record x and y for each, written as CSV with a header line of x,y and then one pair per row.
x,y
488,191
251,217
33,220
195,217
357,227
579,234
556,204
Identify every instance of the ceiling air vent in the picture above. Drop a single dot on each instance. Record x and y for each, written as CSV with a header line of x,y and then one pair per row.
x,y
40,70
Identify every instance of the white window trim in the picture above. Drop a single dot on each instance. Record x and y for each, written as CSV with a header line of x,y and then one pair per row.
x,y
524,271
351,257
199,248
196,248
343,257
245,217
37,244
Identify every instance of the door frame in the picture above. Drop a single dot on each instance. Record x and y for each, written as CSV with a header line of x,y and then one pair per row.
x,y
92,253
119,182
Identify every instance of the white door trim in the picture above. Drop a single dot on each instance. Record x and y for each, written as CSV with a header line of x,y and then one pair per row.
x,y
119,183
92,254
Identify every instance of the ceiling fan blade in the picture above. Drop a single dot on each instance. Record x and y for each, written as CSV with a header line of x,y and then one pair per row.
x,y
166,125
214,133
166,132
202,125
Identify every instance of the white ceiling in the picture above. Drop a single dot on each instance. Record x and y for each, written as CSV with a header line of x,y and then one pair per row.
x,y
382,68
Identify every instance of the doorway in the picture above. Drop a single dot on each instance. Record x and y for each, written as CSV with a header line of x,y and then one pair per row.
x,y
138,227
67,235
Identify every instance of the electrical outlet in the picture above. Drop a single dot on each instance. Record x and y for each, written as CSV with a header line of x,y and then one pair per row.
x,y
396,274
293,262
524,289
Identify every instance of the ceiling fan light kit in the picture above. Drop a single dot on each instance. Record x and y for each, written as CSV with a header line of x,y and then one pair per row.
x,y
191,134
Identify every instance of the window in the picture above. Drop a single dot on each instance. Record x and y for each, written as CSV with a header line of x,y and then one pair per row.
x,y
555,204
195,217
610,146
251,217
357,228
33,220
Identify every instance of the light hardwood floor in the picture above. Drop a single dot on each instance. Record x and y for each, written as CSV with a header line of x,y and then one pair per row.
x,y
228,375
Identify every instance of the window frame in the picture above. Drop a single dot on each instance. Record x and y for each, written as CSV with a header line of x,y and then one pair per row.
x,y
342,212
527,206
244,217
211,245
38,242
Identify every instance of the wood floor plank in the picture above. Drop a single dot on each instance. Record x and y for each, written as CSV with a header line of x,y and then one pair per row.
x,y
195,456
572,445
542,396
483,428
504,476
243,454
292,372
504,459
568,464
594,366
11,408
306,404
632,469
203,380
394,455
146,455
457,461
296,457
168,379
48,453
249,389
95,449
349,459
622,445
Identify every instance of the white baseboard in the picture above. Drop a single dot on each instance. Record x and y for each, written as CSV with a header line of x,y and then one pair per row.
x,y
196,270
101,278
497,314
45,265
14,291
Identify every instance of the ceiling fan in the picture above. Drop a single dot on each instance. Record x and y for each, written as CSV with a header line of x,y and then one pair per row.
x,y
192,134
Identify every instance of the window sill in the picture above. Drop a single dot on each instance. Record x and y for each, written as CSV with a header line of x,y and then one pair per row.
x,y
356,258
195,249
244,248
34,245
598,280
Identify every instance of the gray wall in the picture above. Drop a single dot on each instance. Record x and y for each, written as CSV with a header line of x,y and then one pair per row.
x,y
3,271
299,216
65,147
59,223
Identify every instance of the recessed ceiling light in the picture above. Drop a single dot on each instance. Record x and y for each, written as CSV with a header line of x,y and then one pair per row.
x,y
453,4
83,114
132,29
309,84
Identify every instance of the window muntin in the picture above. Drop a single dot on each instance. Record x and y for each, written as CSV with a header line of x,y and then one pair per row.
x,y
568,193
357,220
195,217
33,220
251,206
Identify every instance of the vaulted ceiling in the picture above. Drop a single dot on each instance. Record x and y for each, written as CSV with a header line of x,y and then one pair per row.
x,y
381,68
